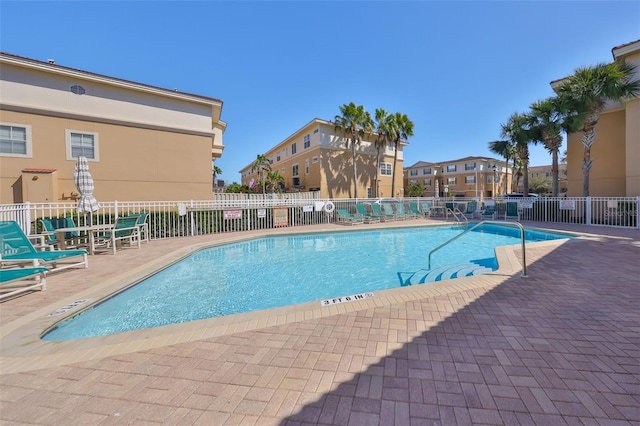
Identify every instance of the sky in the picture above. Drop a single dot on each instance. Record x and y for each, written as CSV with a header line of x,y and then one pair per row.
x,y
458,69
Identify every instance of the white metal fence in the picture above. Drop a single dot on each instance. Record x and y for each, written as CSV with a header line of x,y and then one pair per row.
x,y
238,212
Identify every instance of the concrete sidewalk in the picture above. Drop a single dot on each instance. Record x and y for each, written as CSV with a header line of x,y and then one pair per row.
x,y
559,347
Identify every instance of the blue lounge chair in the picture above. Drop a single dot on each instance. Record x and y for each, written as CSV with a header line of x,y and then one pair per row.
x,y
18,280
142,224
348,218
388,209
413,207
426,209
16,248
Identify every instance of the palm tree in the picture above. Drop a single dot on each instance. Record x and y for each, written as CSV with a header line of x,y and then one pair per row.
x,y
353,124
508,151
587,91
262,164
516,130
274,180
549,118
384,128
402,128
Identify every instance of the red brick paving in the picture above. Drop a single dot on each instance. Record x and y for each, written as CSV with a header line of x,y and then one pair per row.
x,y
560,347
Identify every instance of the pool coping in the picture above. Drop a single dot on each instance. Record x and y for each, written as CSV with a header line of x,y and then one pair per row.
x,y
23,350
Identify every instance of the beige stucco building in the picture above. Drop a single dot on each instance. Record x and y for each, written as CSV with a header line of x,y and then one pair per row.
x,y
616,151
143,142
316,158
457,178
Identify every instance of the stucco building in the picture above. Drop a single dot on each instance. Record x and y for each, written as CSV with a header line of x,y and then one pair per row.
x,y
457,178
616,150
316,158
142,142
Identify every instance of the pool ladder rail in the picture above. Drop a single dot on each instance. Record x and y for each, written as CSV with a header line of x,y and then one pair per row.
x,y
493,222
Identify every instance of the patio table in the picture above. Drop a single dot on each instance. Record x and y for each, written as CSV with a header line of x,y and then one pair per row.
x,y
60,234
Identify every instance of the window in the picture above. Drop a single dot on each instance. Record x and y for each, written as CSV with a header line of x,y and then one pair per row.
x,y
470,166
412,181
271,160
307,141
385,169
278,157
293,148
390,147
413,172
426,171
82,143
469,179
489,179
294,170
451,168
427,182
315,159
15,140
306,167
451,181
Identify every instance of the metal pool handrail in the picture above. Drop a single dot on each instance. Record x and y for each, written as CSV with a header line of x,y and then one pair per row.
x,y
495,222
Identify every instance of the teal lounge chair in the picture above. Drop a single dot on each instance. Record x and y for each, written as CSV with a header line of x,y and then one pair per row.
x,y
125,230
378,211
388,209
413,207
400,211
489,212
512,211
18,280
361,209
142,224
15,247
471,210
348,218
426,209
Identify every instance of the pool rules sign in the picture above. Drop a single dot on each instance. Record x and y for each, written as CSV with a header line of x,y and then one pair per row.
x,y
280,217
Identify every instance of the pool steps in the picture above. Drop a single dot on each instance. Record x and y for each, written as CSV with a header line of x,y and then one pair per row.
x,y
444,272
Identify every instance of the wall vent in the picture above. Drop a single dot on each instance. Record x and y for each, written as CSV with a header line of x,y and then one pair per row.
x,y
78,90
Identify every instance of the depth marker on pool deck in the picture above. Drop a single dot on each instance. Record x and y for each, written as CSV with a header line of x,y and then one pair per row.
x,y
352,298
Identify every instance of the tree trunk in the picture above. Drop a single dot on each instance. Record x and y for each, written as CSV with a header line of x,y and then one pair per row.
x,y
355,172
588,137
554,173
377,178
393,172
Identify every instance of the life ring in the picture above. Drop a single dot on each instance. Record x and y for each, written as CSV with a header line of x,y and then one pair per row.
x,y
329,207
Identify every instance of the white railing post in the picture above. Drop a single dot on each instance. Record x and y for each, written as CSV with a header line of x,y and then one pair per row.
x,y
638,212
588,211
115,208
192,225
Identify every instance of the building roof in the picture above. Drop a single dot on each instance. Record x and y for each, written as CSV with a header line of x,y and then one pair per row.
x,y
53,67
626,49
38,170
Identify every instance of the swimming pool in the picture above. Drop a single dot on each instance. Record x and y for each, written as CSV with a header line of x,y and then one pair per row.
x,y
285,270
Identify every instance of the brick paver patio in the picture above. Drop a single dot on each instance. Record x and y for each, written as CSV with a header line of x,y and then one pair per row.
x,y
559,347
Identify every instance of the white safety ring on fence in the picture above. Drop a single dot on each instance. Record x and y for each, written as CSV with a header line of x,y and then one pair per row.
x,y
329,207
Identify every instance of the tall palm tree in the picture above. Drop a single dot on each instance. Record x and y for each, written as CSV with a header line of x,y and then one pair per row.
x,y
353,124
384,129
587,91
549,118
402,129
506,150
261,165
274,181
516,130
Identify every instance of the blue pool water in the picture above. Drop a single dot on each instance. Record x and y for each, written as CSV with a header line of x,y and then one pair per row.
x,y
285,270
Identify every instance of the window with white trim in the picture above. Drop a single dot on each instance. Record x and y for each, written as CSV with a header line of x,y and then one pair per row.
x,y
426,171
413,173
307,141
470,179
293,148
451,168
451,181
385,169
470,166
82,143
427,182
314,159
15,140
294,170
306,166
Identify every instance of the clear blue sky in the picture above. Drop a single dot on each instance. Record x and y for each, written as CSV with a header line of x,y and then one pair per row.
x,y
457,69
